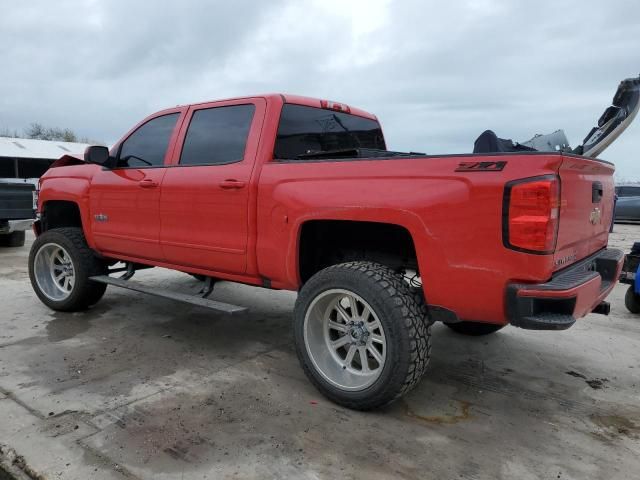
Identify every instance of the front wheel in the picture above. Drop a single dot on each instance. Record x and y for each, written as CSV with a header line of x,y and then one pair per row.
x,y
474,329
360,334
632,300
60,264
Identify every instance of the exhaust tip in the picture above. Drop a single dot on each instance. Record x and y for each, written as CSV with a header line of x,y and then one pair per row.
x,y
603,308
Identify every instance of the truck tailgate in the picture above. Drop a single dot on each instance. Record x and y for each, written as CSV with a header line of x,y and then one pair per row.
x,y
586,208
16,201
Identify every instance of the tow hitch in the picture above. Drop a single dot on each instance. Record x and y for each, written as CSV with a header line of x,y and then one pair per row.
x,y
603,308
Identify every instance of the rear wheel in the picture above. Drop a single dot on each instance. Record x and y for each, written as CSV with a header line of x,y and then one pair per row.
x,y
360,334
13,239
474,329
632,300
60,264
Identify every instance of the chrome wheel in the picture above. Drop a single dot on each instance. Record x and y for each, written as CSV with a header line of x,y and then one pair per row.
x,y
345,339
54,272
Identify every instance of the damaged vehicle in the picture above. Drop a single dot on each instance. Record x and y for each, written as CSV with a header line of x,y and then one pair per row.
x,y
296,193
615,120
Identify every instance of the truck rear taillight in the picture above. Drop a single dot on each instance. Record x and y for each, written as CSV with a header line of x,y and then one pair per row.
x,y
530,214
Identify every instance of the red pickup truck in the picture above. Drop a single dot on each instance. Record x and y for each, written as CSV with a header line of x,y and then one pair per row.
x,y
287,192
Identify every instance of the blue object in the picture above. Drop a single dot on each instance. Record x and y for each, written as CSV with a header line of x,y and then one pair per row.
x,y
636,282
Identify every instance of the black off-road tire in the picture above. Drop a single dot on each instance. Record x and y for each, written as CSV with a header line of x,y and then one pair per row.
x,y
474,329
406,328
13,239
86,264
632,300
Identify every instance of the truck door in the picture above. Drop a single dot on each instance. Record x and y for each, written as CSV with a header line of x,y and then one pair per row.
x,y
125,200
205,195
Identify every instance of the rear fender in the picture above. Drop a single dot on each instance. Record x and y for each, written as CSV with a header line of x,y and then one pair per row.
x,y
423,241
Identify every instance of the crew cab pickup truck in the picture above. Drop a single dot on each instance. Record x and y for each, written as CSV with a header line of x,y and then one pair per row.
x,y
288,192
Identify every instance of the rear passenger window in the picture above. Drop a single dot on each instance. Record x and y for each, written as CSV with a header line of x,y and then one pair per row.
x,y
147,146
217,135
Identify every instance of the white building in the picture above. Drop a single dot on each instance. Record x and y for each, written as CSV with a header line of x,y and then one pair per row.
x,y
26,158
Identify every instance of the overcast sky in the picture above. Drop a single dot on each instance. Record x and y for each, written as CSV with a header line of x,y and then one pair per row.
x,y
436,73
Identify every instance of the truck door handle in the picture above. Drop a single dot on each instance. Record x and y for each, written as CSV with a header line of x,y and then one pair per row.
x,y
148,183
231,184
596,192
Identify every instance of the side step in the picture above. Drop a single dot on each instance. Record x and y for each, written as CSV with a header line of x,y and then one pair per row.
x,y
180,297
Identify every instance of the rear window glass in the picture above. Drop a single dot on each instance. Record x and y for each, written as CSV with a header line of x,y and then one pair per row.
x,y
628,191
309,129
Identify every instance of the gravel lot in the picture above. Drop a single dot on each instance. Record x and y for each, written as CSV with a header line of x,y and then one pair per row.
x,y
141,387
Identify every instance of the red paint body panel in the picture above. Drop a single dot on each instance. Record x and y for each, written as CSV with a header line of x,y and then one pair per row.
x,y
188,222
204,217
577,236
455,220
133,226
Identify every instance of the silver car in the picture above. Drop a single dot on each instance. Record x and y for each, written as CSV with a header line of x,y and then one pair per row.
x,y
628,204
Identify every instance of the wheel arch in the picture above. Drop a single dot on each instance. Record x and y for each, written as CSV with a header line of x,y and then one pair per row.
x,y
60,214
325,242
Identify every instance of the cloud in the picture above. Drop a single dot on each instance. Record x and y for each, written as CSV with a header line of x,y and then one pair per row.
x,y
436,73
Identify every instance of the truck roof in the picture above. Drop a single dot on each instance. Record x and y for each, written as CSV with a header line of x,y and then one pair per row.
x,y
298,100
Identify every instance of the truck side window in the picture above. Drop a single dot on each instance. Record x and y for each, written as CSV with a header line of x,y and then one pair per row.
x,y
217,135
147,146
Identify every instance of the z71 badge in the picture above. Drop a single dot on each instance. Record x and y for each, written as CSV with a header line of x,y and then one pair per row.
x,y
481,166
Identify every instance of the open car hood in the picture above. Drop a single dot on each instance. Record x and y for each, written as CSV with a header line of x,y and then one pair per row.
x,y
615,120
68,159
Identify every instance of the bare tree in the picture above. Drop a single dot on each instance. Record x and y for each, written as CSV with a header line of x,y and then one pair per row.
x,y
38,131
6,132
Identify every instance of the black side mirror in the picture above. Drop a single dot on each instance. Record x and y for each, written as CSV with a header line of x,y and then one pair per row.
x,y
97,154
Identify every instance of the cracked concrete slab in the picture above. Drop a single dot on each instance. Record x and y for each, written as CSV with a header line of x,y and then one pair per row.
x,y
140,387
49,453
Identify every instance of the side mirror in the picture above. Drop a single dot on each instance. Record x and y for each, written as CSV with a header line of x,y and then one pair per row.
x,y
97,154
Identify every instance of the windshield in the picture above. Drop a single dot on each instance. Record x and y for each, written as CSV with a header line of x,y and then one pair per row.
x,y
304,130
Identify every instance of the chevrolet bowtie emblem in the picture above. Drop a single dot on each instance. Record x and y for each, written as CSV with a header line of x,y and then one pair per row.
x,y
596,215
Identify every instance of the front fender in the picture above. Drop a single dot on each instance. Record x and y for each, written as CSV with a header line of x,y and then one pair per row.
x,y
69,189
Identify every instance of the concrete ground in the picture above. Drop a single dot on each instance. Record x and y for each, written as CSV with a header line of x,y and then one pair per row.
x,y
141,387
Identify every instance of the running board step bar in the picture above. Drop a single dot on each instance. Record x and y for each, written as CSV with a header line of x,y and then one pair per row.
x,y
180,297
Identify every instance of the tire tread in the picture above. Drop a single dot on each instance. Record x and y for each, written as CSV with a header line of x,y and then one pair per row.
x,y
632,300
408,306
86,265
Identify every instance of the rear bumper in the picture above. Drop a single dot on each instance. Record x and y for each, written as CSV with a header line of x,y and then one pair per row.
x,y
11,226
570,294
